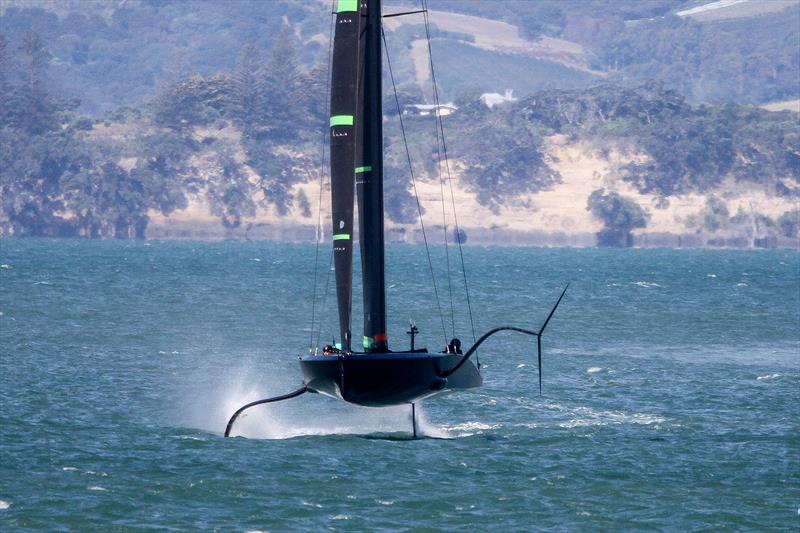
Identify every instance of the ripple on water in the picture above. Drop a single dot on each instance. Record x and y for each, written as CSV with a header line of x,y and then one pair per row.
x,y
585,416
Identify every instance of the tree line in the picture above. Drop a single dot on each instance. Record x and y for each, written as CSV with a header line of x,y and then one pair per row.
x,y
244,138
63,174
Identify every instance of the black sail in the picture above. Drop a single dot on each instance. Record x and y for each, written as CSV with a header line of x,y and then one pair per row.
x,y
344,103
369,179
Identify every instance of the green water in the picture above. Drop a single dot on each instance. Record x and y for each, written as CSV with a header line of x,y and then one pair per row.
x,y
671,393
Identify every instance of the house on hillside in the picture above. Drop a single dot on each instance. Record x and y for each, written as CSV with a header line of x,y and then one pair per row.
x,y
492,99
426,110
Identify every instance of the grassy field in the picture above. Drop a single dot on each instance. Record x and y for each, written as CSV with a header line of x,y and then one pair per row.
x,y
457,64
732,9
786,105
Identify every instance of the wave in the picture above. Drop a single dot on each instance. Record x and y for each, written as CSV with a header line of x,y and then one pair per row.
x,y
590,417
647,284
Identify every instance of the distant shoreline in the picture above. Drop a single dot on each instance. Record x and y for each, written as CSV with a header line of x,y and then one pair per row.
x,y
205,231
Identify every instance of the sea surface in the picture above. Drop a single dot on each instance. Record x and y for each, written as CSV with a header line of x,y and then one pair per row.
x,y
671,395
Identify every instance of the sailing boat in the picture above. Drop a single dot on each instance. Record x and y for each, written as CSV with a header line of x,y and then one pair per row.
x,y
374,376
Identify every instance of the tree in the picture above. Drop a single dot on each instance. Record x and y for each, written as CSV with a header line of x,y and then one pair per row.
x,y
283,118
303,204
504,154
5,83
620,216
247,96
789,224
230,192
36,110
190,102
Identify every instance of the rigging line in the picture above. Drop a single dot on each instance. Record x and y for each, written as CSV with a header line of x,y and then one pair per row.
x,y
390,15
325,295
436,112
414,183
449,176
318,231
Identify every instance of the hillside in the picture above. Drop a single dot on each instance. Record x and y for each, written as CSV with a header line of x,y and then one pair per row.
x,y
228,143
112,53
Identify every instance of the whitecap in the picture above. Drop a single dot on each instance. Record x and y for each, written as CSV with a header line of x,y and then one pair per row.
x,y
42,283
594,369
256,259
472,426
646,284
341,517
5,266
711,275
4,504
741,284
187,437
768,376
98,488
69,468
385,502
521,365
309,504
590,417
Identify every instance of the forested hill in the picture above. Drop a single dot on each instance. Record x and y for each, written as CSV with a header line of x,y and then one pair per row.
x,y
112,53
242,135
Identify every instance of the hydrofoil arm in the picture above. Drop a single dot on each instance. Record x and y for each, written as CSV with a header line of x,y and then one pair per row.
x,y
239,411
537,334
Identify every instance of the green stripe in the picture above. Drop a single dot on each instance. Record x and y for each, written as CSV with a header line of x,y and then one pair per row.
x,y
341,237
341,120
347,5
367,342
359,170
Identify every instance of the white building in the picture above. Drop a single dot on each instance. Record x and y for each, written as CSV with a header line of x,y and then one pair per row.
x,y
492,99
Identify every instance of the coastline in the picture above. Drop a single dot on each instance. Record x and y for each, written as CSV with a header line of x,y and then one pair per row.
x,y
207,230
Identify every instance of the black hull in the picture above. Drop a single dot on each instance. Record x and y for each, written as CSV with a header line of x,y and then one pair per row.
x,y
383,379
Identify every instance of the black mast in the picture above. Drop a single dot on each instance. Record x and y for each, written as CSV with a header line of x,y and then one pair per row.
x,y
369,178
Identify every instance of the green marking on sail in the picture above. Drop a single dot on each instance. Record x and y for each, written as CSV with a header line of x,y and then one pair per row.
x,y
359,170
341,120
341,237
367,342
346,5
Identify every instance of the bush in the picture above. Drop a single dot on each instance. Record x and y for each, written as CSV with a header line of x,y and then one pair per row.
x,y
620,216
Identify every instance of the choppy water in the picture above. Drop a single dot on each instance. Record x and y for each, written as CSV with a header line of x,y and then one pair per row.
x,y
671,388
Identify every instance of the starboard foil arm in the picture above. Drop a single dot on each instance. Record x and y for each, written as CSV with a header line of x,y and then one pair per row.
x,y
293,394
537,334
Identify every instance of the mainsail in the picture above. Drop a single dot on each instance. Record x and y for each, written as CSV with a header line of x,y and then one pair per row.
x,y
357,163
